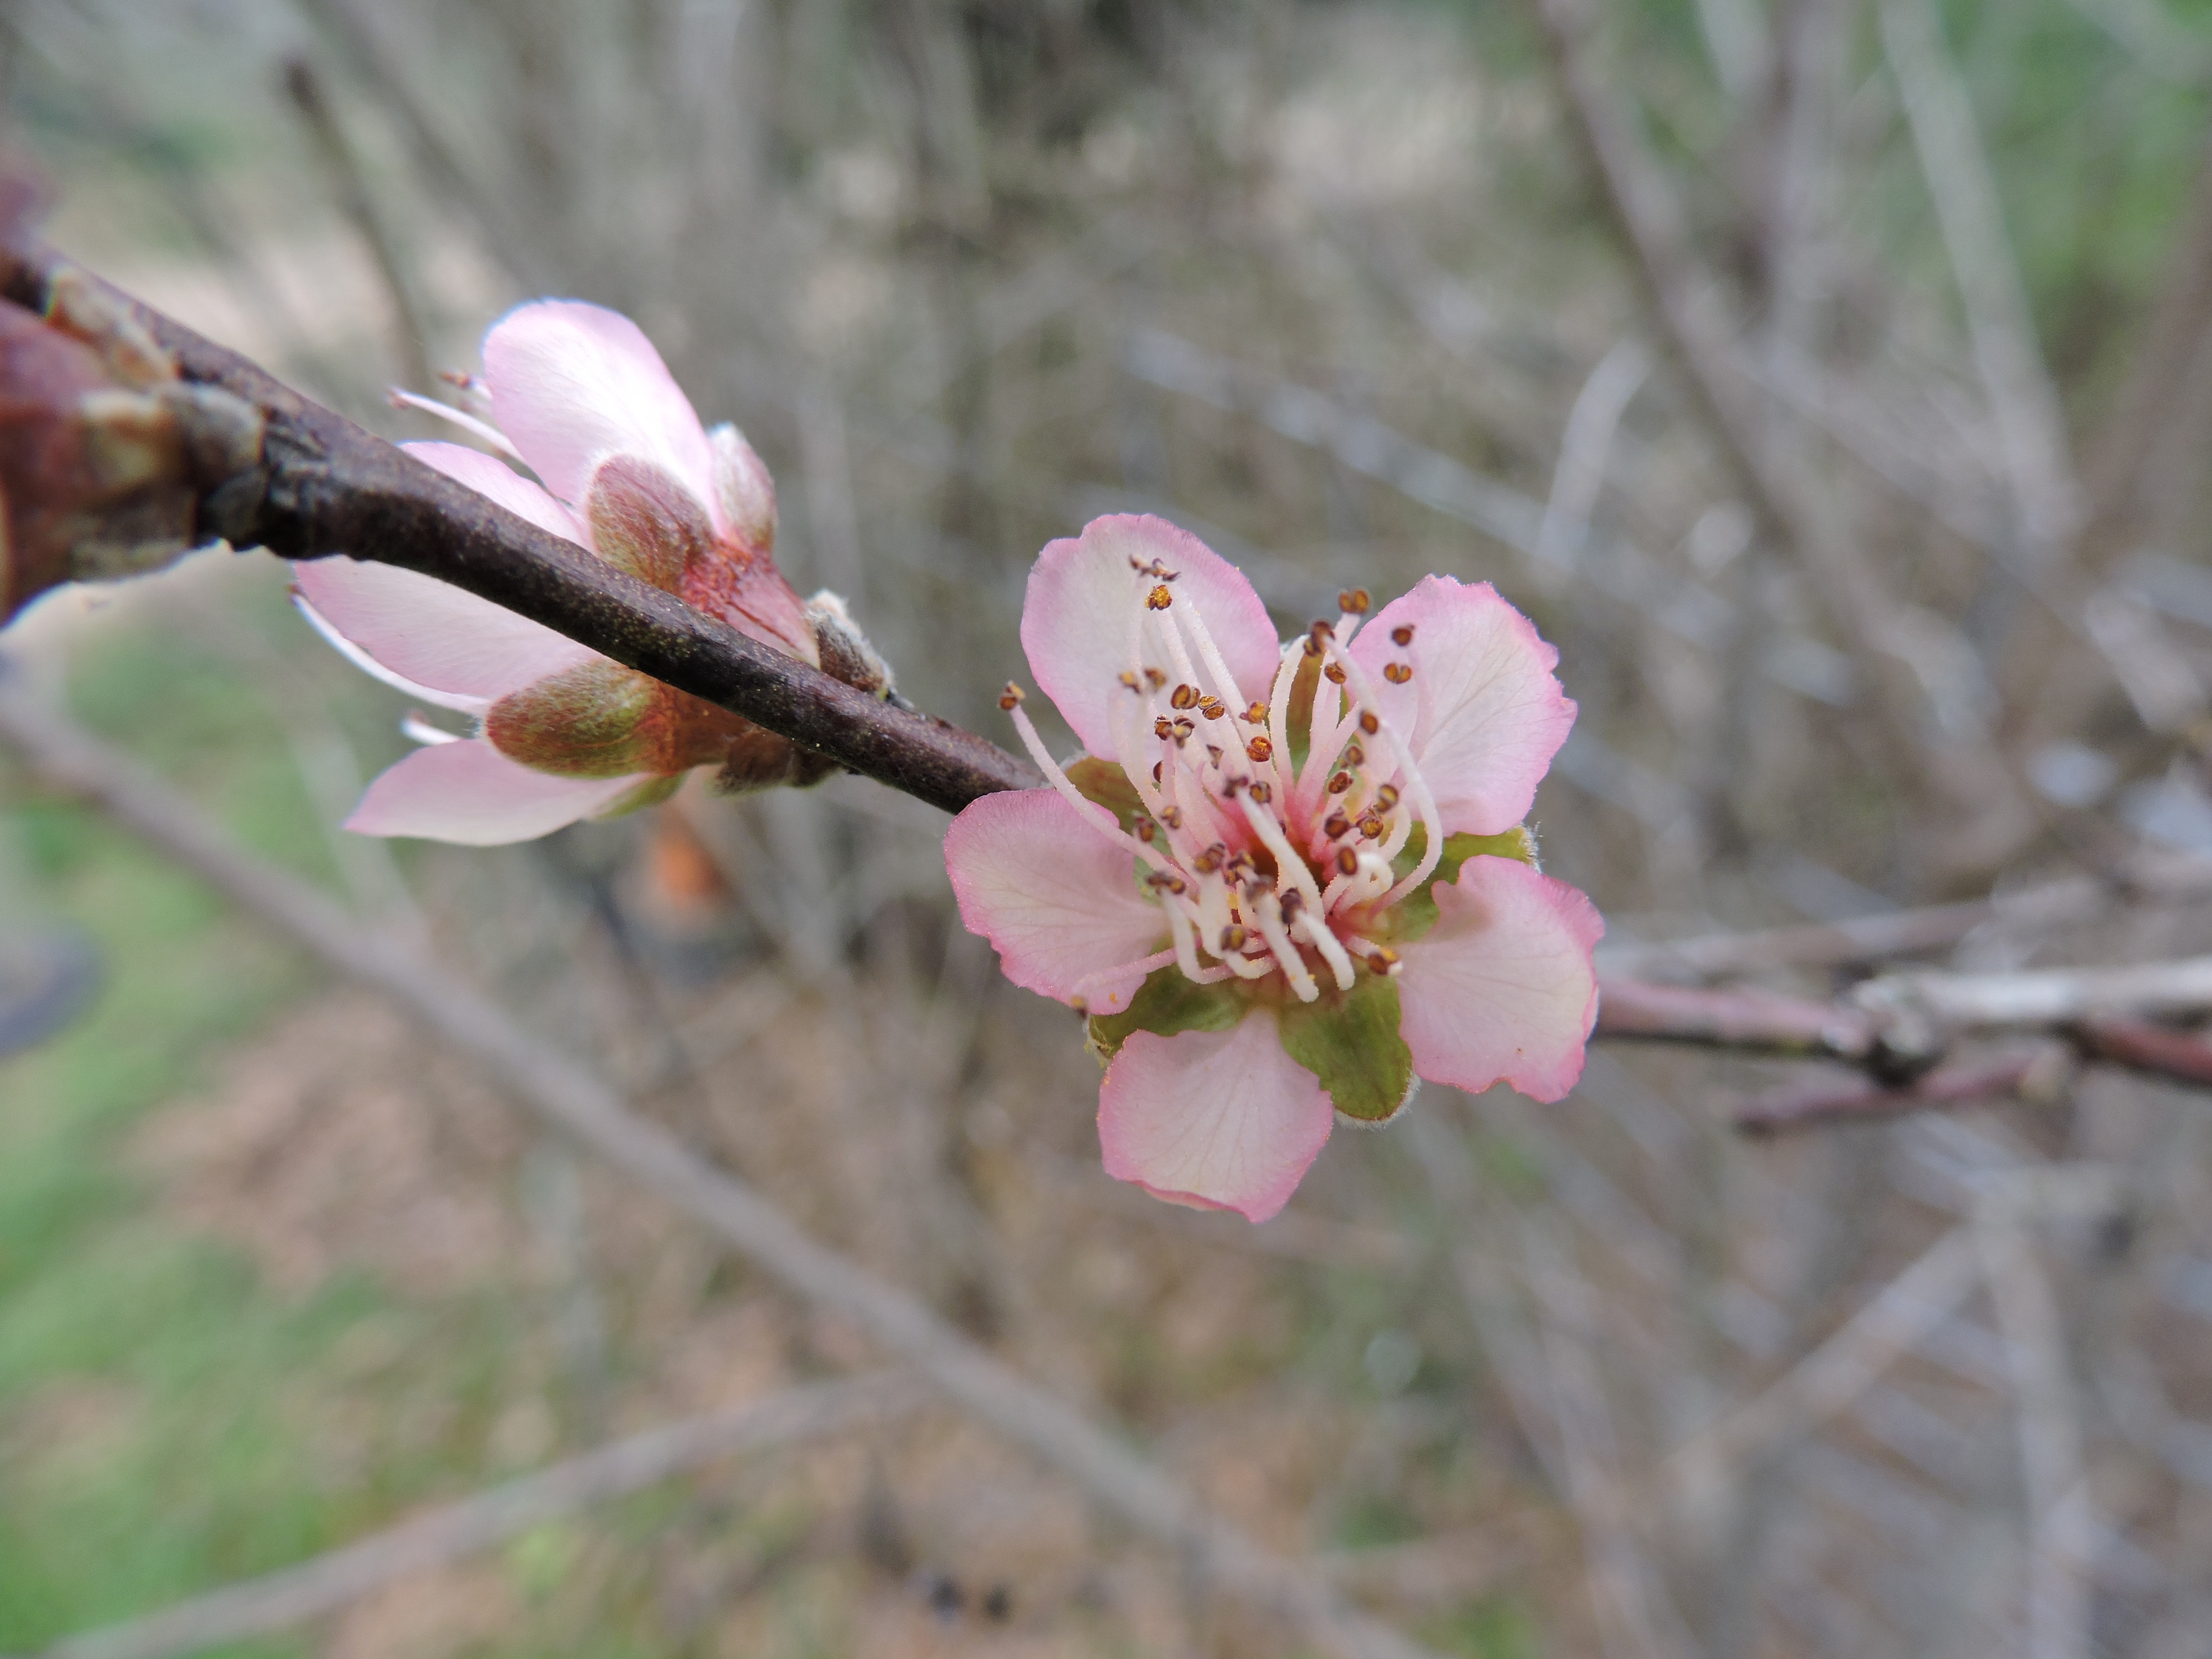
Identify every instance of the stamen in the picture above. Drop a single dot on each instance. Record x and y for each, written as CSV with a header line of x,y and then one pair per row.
x,y
1340,783
1011,698
1129,679
1347,860
1314,931
1233,938
1398,672
1337,826
1213,707
1159,599
1384,961
1141,965
484,429
1354,602
1260,790
1183,696
1269,915
1369,721
1402,635
1155,678
1335,673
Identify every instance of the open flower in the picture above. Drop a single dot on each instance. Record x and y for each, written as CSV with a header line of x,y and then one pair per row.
x,y
624,468
1286,881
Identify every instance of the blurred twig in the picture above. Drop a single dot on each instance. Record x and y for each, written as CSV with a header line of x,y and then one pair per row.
x,y
293,1595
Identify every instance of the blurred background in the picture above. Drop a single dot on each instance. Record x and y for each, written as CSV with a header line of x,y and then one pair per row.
x,y
1330,285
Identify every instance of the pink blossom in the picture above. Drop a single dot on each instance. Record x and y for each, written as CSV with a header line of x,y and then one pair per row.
x,y
577,394
1287,881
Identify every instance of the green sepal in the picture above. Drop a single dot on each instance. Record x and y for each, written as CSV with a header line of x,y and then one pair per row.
x,y
1415,913
1303,685
1350,1040
593,720
1166,1003
1107,784
651,793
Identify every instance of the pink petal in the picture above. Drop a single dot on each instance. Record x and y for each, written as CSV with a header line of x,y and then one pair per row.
x,y
1483,712
1078,621
429,638
1217,1120
1502,990
1057,900
490,476
470,793
572,383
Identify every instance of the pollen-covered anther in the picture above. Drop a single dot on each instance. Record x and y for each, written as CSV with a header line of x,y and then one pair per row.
x,y
1291,902
1163,728
1384,961
1372,826
1340,783
1147,831
1347,860
1171,817
1386,797
1255,714
1260,749
1369,721
1183,729
1231,786
1336,827
1354,602
1261,791
1312,647
1335,673
1233,938
1155,677
1213,707
1211,860
1213,753
1402,635
1166,881
1397,672
1130,680
1159,599
1011,698
1183,696
1354,754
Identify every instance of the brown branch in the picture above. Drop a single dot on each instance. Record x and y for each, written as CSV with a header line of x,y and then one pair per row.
x,y
2181,1056
1748,1021
295,1594
571,1098
325,486
1826,1101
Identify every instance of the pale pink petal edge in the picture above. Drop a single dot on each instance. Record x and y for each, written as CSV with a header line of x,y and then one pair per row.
x,y
470,794
1217,1120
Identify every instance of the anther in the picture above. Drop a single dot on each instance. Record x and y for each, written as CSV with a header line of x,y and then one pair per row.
x,y
1354,754
1163,728
1230,788
1213,753
1384,961
1263,792
1372,826
1260,749
1155,677
1291,902
1402,635
1255,714
1312,647
1369,721
1398,672
1341,783
1335,672
1320,631
1347,862
1182,731
1011,697
1128,680
1171,817
1156,770
1354,602
1232,939
1336,827
1213,707
1183,696
1147,831
1165,880
1211,860
1387,797
1239,866
1159,599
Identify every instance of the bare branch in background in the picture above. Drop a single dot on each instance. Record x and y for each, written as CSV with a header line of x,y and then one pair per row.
x,y
298,1594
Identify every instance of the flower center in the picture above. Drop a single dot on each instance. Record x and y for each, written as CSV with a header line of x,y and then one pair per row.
x,y
1261,865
